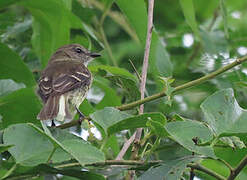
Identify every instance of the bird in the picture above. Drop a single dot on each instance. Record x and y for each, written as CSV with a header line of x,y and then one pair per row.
x,y
64,83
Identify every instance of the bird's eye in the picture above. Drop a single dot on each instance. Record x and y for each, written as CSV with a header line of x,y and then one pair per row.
x,y
78,50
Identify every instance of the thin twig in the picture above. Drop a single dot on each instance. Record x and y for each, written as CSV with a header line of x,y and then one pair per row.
x,y
125,147
133,66
234,173
138,132
207,171
144,74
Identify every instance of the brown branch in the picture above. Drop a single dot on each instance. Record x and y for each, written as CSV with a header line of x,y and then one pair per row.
x,y
144,75
138,133
125,147
234,173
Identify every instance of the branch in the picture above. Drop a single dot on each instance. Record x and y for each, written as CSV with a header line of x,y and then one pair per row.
x,y
144,75
237,170
111,162
207,171
184,86
125,147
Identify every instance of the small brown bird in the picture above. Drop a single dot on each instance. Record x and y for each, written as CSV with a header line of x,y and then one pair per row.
x,y
64,83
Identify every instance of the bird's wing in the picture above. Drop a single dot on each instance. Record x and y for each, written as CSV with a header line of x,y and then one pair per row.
x,y
76,77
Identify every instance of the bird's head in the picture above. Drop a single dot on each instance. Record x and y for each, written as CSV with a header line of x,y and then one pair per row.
x,y
73,52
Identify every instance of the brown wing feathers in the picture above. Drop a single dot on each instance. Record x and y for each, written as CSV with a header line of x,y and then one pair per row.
x,y
50,89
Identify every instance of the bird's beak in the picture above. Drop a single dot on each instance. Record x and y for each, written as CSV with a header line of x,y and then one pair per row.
x,y
94,55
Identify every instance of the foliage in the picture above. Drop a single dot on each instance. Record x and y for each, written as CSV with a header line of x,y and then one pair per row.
x,y
203,128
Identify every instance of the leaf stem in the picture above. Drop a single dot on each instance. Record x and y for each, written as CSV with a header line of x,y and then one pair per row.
x,y
50,156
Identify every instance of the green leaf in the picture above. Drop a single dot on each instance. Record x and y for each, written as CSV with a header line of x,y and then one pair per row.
x,y
137,17
128,85
8,85
214,42
224,15
157,128
112,71
86,108
233,141
184,132
4,147
52,21
110,96
19,107
168,89
189,14
171,170
79,149
4,4
223,114
46,169
107,117
137,122
159,59
30,148
12,67
112,145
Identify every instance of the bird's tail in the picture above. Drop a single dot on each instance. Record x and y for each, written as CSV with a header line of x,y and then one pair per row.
x,y
50,109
